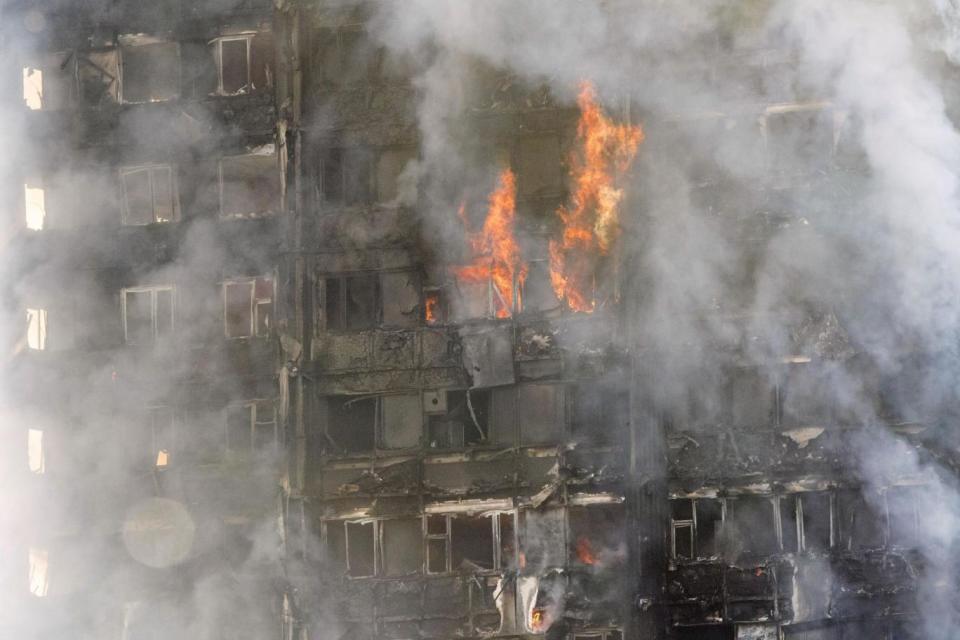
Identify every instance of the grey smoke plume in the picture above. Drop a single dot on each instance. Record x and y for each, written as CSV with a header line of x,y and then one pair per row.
x,y
876,241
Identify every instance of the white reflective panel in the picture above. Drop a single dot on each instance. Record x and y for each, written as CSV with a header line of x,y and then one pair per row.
x,y
33,88
35,209
35,458
37,329
39,583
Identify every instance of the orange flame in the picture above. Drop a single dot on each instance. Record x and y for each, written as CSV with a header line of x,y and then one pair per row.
x,y
431,307
585,551
591,220
496,254
537,619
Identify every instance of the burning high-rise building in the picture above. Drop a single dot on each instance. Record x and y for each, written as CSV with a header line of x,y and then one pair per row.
x,y
439,319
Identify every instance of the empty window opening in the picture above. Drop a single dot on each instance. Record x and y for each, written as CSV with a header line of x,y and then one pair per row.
x,y
252,427
456,419
39,581
752,520
37,329
596,535
469,542
695,527
346,176
248,307
790,527
149,195
861,523
361,539
49,84
98,73
36,454
34,205
816,518
401,546
250,184
233,64
161,436
361,424
903,509
150,72
148,314
350,302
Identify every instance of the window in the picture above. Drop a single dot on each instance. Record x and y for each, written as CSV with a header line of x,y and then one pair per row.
x,y
37,329
161,436
860,522
360,424
469,542
48,83
243,63
802,396
346,176
148,314
38,581
816,519
366,548
98,73
248,307
400,299
456,418
149,195
349,302
345,56
150,72
252,427
36,455
790,528
596,535
695,527
752,519
435,308
541,413
250,184
600,413
34,205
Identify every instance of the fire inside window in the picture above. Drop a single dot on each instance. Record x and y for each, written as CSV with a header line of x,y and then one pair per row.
x,y
248,307
149,195
148,314
37,329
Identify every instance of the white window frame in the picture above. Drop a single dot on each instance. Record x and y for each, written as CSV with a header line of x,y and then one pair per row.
x,y
152,170
496,551
255,304
152,290
36,335
217,43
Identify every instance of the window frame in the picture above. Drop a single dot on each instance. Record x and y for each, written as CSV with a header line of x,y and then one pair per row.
x,y
322,297
153,290
151,169
252,406
277,206
255,304
499,563
693,525
218,57
37,319
121,99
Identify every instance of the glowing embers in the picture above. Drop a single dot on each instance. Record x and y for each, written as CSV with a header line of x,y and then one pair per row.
x,y
495,254
590,221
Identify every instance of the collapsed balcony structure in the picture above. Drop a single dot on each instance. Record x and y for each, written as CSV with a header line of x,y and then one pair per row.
x,y
316,411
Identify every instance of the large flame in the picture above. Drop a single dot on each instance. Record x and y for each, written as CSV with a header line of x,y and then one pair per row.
x,y
585,552
591,219
495,252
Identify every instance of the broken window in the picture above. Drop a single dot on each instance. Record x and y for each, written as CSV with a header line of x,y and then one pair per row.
x,y
248,307
709,513
250,184
435,308
538,166
161,436
361,539
860,524
346,176
349,303
401,546
149,195
359,424
351,424
34,204
596,535
37,329
150,72
244,63
36,453
816,516
400,299
682,529
790,534
98,73
752,520
48,84
148,314
252,427
456,419
904,516
38,580
541,413
458,542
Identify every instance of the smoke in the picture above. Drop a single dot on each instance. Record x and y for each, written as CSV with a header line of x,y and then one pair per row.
x,y
746,234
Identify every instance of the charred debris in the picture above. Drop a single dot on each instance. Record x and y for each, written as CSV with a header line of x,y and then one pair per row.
x,y
252,363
